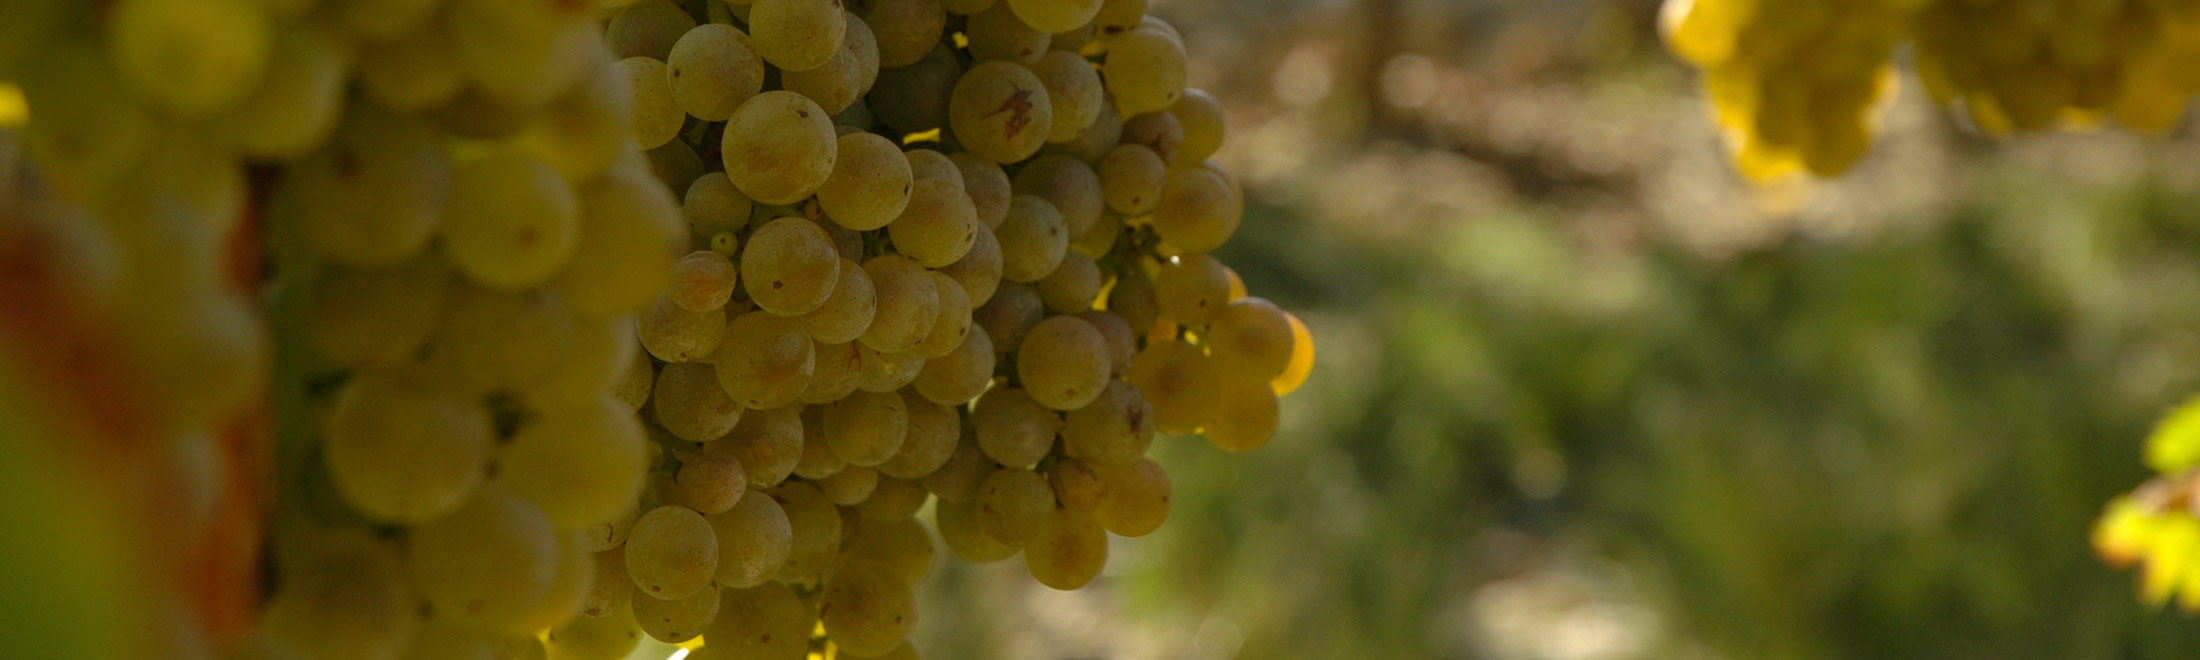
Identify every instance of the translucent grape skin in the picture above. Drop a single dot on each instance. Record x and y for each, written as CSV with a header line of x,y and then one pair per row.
x,y
678,335
1055,15
954,320
754,538
613,588
765,361
869,185
1201,116
656,116
768,442
1067,183
938,225
817,532
1251,340
1115,429
1033,239
1179,381
583,464
779,146
1122,342
996,34
850,486
929,164
1145,71
896,539
702,281
1245,416
629,237
714,69
1073,286
790,266
1075,89
979,270
1131,177
712,205
1302,357
511,221
840,371
987,184
1076,484
908,303
673,621
612,635
1190,289
671,553
1000,110
1070,553
1197,211
711,482
797,35
847,313
1064,362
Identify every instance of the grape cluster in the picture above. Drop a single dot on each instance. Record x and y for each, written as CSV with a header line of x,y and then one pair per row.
x,y
2023,66
1794,85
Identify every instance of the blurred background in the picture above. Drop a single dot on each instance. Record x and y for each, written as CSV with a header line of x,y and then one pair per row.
x,y
1584,394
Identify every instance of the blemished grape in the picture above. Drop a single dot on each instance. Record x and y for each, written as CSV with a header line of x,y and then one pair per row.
x,y
713,70
612,635
702,281
1245,416
1064,362
996,34
779,145
1000,110
1191,288
960,375
765,622
1015,505
1115,429
764,361
768,443
850,486
485,563
816,526
867,428
929,164
840,371
671,553
954,320
656,116
870,183
378,190
961,531
676,620
1115,18
753,541
612,588
1070,553
1076,484
1131,178
867,608
1197,212
978,272
1180,382
796,35
511,221
937,226
886,372
1073,286
790,266
843,79
583,464
647,28
1144,70
1137,501
674,334
1076,91
712,205
402,448
1014,429
908,303
711,482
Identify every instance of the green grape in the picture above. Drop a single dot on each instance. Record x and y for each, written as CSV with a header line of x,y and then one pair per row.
x,y
1201,116
954,320
870,183
959,376
1033,239
1094,142
607,534
767,442
193,57
1122,342
1245,416
960,530
522,53
967,7
1013,428
629,238
375,316
402,448
607,637
897,542
1015,505
907,29
296,103
1191,288
656,117
791,266
691,405
1070,553
908,304
1055,15
485,563
779,147
753,540
702,281
340,594
1131,178
1115,429
847,313
839,372
765,622
634,382
866,608
1010,315
1073,286
1000,111
1064,362
886,372
671,553
582,464
1117,17
714,70
938,225
797,35
711,482
1197,213
647,28
867,428
1076,485
511,221
612,588
1302,357
842,80
491,339
413,73
895,499
816,532
1100,239
1067,183
1145,70
1251,340
1160,131
988,186
1075,89
978,272
929,164
1180,382
849,486
1133,298
1137,501
676,620
997,35
678,335
712,205
570,585
818,460
584,130
959,479
764,361
915,98
676,164
378,190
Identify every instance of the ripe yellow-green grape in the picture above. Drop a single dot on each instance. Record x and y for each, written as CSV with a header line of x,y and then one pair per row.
x,y
1190,289
623,256
996,34
1033,239
671,553
1001,111
1245,416
1137,499
961,374
582,464
796,35
1055,15
1076,484
978,272
1115,429
929,164
937,226
764,361
765,622
849,486
714,69
1072,286
511,221
1144,70
869,185
1075,88
486,562
842,80
1070,553
403,448
768,443
867,428
1251,340
1013,428
647,28
1067,183
960,530
1064,362
816,532
779,145
908,303
711,482
1180,382
790,266
754,538
1015,505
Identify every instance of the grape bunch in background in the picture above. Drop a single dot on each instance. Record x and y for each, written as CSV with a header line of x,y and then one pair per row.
x,y
696,320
